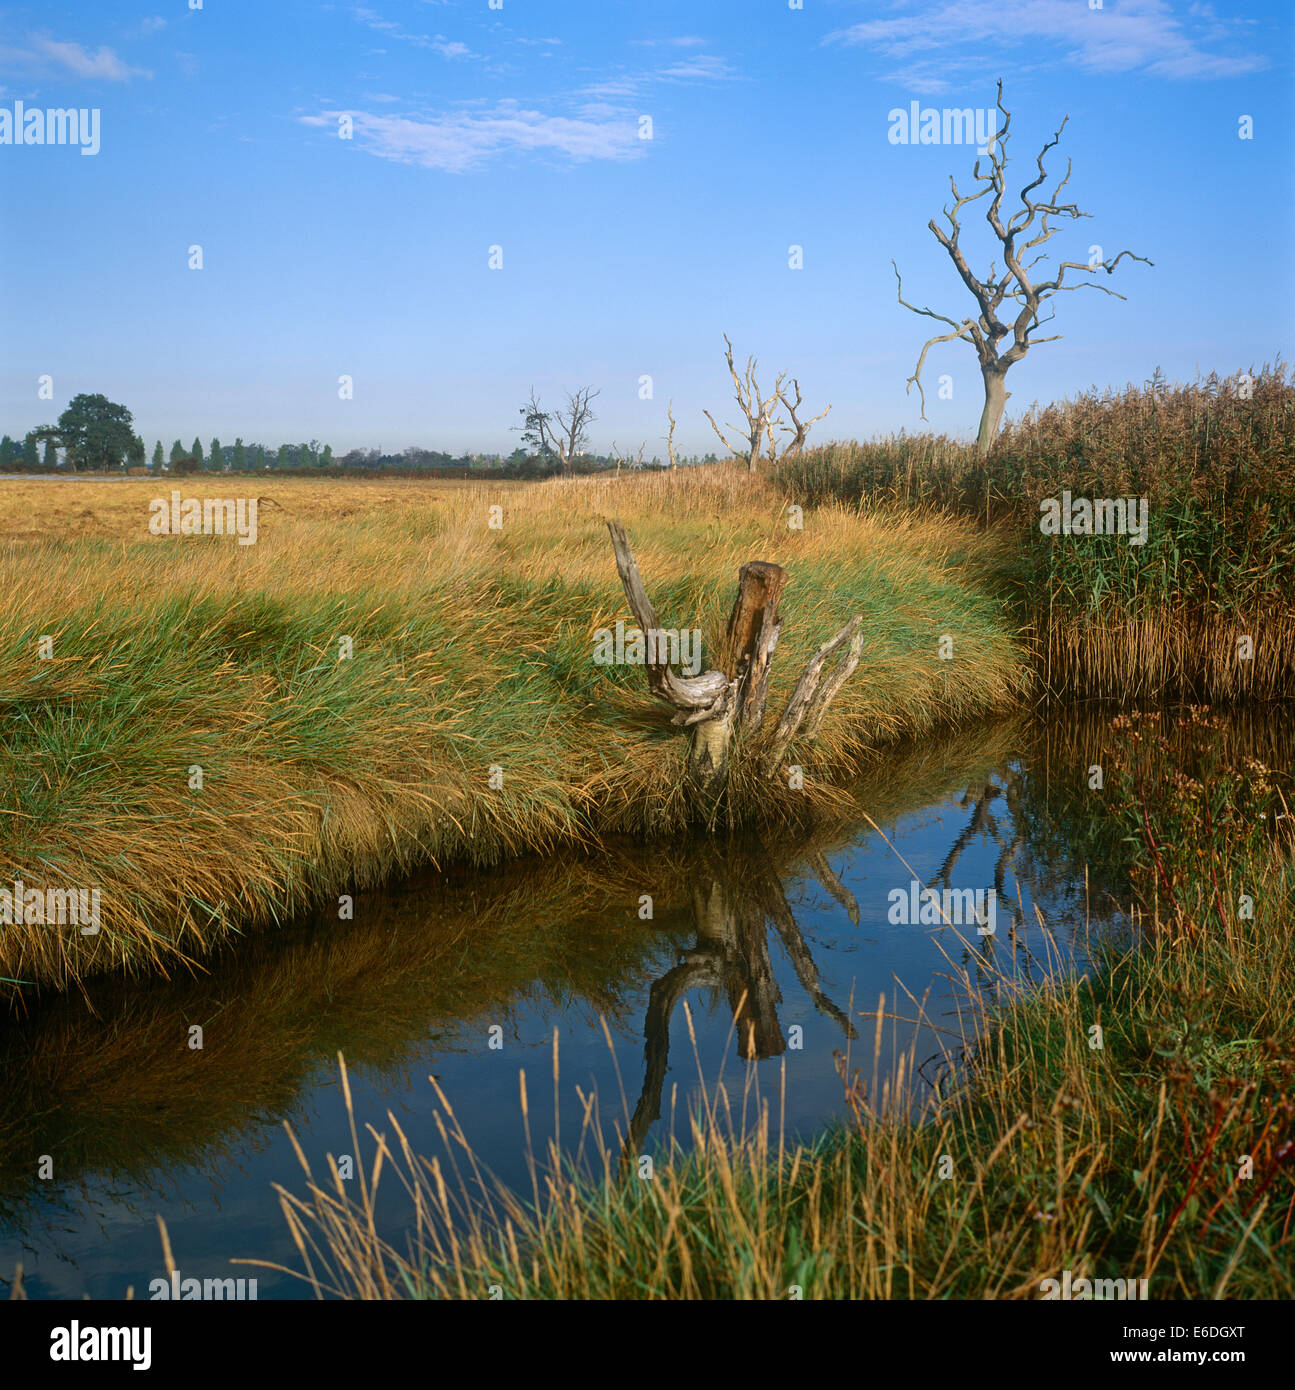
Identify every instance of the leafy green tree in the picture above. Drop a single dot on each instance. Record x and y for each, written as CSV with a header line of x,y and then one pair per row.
x,y
240,457
284,458
326,459
8,451
31,452
195,452
51,456
304,456
258,459
217,455
157,457
137,453
95,431
177,451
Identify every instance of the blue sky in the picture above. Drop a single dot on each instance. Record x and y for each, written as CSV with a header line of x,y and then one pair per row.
x,y
622,257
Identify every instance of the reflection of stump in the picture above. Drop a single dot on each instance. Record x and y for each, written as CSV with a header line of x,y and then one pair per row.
x,y
716,703
733,900
731,929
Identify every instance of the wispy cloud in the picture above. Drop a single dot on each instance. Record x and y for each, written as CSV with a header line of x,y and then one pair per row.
x,y
436,43
693,67
613,87
685,41
704,67
935,43
62,56
461,142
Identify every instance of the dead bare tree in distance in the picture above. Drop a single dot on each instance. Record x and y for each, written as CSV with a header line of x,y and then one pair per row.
x,y
1014,286
760,413
629,460
560,432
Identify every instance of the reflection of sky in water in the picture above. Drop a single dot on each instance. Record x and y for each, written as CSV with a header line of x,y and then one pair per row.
x,y
102,1235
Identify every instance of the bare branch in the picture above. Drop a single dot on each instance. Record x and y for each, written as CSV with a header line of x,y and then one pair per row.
x,y
967,331
703,695
812,695
799,431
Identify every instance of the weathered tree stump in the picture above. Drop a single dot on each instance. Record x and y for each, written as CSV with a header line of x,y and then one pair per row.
x,y
714,705
752,635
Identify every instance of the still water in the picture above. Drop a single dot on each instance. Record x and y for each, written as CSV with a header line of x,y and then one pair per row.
x,y
800,932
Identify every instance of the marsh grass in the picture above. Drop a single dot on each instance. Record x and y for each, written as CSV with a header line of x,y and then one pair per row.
x,y
1216,460
472,651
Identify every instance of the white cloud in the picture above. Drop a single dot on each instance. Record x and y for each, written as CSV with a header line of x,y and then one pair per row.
x,y
942,41
437,43
699,67
460,142
103,65
614,87
686,41
705,67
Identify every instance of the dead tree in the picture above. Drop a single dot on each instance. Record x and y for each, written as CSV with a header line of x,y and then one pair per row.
x,y
559,432
797,430
713,705
754,406
761,415
629,460
986,330
669,443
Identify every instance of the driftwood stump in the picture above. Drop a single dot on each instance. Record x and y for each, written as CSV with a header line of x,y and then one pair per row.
x,y
714,705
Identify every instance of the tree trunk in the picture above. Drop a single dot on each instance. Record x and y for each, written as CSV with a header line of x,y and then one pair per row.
x,y
708,752
996,398
751,637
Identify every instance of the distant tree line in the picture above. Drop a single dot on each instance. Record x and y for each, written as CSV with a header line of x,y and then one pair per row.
x,y
97,435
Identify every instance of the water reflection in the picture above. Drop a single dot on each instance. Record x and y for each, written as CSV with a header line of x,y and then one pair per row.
x,y
734,898
782,933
